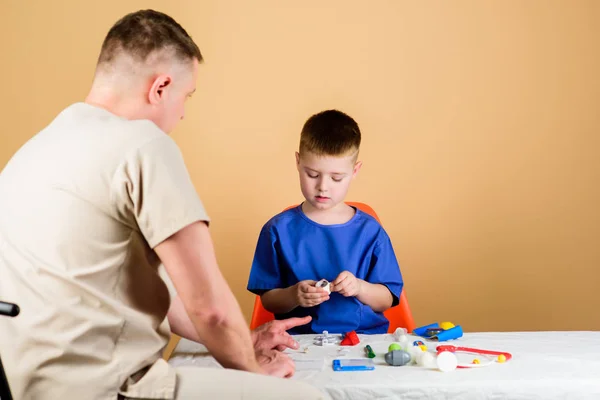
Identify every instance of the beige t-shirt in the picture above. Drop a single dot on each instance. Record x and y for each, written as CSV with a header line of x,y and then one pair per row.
x,y
82,205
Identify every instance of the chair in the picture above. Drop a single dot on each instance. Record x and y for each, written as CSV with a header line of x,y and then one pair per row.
x,y
399,315
8,310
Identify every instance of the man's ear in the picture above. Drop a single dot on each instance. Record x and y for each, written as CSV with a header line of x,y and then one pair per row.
x,y
357,167
158,87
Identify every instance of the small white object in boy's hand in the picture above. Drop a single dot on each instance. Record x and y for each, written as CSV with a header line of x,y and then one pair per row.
x,y
324,284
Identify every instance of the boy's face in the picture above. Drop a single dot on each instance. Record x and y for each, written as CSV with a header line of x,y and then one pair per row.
x,y
325,180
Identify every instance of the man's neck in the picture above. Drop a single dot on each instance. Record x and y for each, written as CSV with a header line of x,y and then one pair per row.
x,y
117,101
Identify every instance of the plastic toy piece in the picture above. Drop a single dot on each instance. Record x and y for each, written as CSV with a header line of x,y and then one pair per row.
x,y
353,364
325,285
450,334
397,358
351,339
435,332
446,361
369,351
432,332
326,339
400,334
420,344
394,346
446,325
425,359
501,355
342,351
423,329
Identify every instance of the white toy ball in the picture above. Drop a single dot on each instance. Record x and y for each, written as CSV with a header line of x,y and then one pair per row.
x,y
446,361
426,359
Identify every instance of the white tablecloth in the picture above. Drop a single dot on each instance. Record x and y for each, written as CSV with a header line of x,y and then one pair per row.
x,y
545,365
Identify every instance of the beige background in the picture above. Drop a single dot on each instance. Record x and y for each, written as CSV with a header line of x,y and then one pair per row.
x,y
480,120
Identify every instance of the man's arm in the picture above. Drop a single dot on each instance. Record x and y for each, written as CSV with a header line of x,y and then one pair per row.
x,y
203,293
269,336
180,321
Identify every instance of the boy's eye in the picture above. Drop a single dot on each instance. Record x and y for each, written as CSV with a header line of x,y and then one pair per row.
x,y
313,176
337,179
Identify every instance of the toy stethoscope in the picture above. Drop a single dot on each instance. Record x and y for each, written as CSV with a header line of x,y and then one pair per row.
x,y
500,356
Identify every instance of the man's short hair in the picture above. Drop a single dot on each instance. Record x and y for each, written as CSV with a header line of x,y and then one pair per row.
x,y
144,32
330,133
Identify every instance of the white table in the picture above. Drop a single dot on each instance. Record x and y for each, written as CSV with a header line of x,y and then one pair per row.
x,y
545,365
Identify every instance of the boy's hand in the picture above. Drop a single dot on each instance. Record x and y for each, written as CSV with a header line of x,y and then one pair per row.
x,y
307,295
346,284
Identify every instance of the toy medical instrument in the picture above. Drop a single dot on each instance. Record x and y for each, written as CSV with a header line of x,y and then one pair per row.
x,y
326,339
369,351
436,332
397,357
353,364
500,356
325,285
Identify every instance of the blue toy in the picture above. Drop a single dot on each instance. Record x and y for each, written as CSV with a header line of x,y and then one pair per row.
x,y
436,332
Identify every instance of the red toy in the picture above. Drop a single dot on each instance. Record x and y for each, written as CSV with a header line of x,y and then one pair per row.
x,y
351,339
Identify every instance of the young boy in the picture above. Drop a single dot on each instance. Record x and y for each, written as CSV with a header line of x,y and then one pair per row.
x,y
324,238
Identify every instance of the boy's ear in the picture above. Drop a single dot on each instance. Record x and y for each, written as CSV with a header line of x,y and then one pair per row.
x,y
298,160
356,168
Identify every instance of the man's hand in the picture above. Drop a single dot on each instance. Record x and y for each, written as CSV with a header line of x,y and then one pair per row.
x,y
273,335
346,284
275,363
308,295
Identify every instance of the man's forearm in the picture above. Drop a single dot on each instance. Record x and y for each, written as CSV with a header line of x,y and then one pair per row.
x,y
375,295
280,301
180,321
189,259
227,336
225,331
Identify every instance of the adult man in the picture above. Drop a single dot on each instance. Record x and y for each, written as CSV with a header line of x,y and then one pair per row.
x,y
89,209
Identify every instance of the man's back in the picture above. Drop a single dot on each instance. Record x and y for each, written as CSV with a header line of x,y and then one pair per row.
x,y
75,254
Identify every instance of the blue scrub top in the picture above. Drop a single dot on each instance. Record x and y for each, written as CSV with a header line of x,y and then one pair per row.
x,y
292,248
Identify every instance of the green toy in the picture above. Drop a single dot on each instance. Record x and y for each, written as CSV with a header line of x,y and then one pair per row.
x,y
394,346
369,351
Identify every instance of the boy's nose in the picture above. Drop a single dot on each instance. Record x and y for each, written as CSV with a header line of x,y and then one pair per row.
x,y
321,186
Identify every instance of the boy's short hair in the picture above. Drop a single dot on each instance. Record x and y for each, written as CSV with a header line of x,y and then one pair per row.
x,y
144,32
331,133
